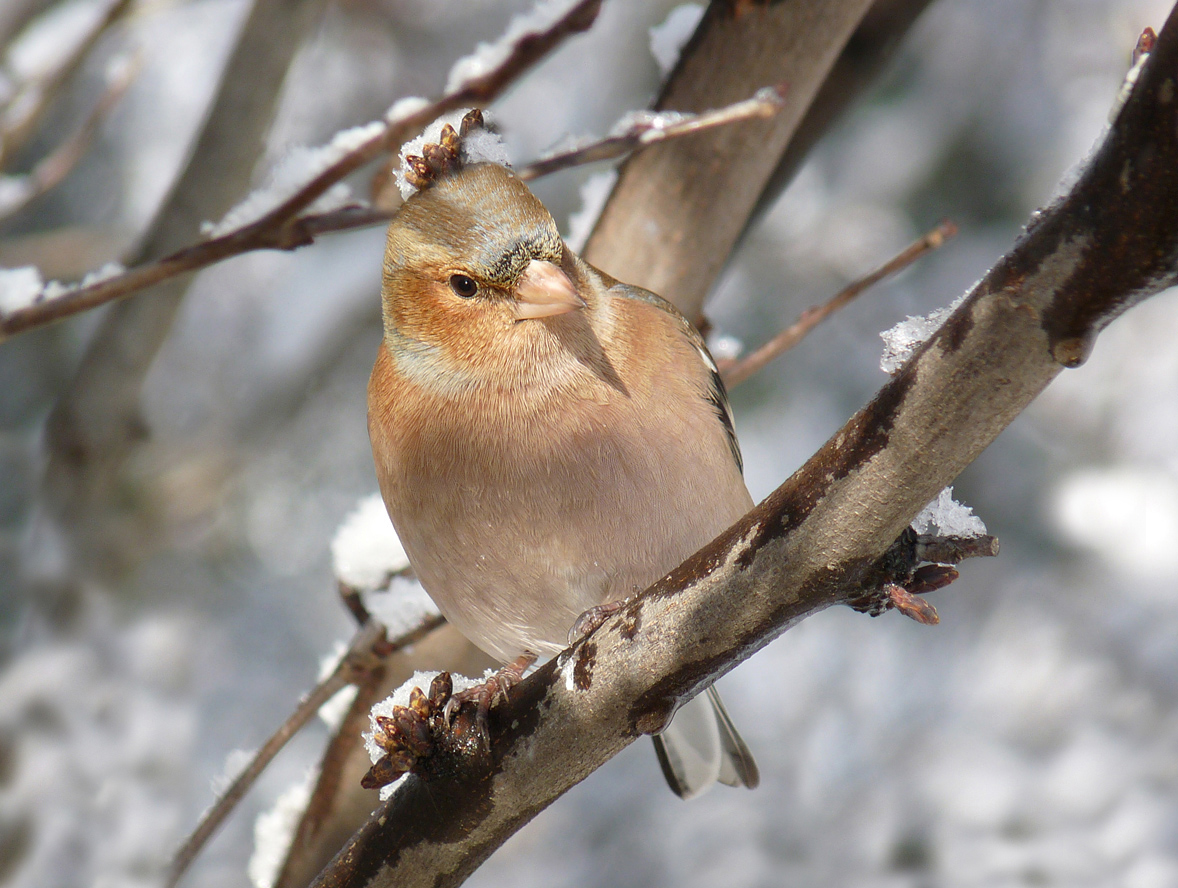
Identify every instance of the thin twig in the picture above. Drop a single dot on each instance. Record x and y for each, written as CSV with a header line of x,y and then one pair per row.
x,y
368,646
280,228
736,372
49,172
646,129
27,106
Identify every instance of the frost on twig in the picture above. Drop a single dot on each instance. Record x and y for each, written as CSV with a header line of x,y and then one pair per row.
x,y
902,340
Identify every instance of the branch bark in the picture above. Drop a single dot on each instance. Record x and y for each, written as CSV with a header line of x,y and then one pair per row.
x,y
818,539
649,232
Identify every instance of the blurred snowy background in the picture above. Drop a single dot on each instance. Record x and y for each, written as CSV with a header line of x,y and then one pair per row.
x,y
1030,739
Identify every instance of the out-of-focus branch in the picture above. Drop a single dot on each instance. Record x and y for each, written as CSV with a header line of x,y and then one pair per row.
x,y
677,210
639,132
52,169
367,650
24,110
826,535
871,47
94,426
736,372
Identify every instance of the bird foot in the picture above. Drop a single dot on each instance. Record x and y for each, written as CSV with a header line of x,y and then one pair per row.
x,y
590,621
486,694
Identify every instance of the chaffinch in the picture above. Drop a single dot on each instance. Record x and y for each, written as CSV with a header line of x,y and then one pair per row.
x,y
546,438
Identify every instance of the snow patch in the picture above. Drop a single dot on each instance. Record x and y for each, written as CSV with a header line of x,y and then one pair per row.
x,y
19,288
489,56
668,38
945,516
902,340
274,830
400,607
293,172
366,550
478,146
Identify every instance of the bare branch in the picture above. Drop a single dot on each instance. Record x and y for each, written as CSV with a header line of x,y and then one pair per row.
x,y
49,172
736,372
19,117
366,651
826,535
639,130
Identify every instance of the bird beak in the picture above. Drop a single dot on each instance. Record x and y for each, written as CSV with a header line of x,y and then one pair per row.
x,y
544,291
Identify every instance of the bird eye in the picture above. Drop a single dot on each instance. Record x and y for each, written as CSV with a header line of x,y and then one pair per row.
x,y
462,285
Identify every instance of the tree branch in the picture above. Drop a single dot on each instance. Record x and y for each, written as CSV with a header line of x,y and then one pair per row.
x,y
818,539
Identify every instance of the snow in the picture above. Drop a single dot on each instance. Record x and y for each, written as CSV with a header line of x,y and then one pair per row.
x,y
400,697
668,38
401,607
639,121
902,340
105,273
488,56
479,146
366,550
14,193
274,830
405,107
19,288
293,171
595,192
236,761
947,517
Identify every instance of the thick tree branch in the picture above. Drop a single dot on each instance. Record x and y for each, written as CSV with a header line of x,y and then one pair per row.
x,y
677,210
818,539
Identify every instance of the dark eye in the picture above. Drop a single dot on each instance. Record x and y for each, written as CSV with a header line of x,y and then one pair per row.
x,y
463,285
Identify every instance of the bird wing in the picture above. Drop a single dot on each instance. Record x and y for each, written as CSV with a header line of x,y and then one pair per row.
x,y
717,394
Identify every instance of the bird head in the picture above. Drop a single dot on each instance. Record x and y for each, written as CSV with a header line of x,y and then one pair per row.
x,y
473,259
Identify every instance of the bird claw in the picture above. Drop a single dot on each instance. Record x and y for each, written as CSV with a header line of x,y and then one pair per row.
x,y
590,621
486,694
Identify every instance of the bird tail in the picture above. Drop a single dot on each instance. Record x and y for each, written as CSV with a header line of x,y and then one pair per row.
x,y
701,746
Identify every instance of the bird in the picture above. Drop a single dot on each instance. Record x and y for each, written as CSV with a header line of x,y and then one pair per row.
x,y
547,440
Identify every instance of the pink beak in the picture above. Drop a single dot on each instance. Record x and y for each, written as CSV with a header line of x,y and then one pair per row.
x,y
544,291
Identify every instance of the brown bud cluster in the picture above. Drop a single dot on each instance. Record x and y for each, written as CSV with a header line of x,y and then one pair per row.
x,y
411,733
439,159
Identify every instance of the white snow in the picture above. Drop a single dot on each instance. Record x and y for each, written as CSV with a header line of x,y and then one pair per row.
x,y
400,697
668,38
405,107
105,273
235,763
479,146
947,517
274,830
488,56
14,193
293,171
595,192
902,340
366,550
19,287
401,607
